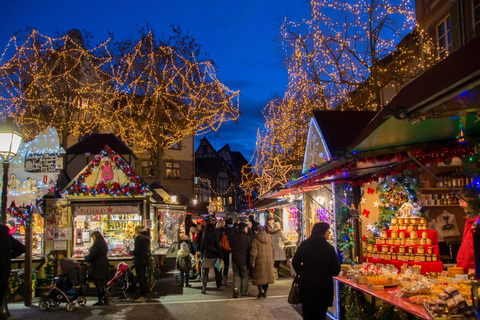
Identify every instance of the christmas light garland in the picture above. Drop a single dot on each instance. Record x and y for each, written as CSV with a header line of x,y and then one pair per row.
x,y
135,187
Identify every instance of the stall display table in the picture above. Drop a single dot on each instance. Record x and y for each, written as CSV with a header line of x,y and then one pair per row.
x,y
388,295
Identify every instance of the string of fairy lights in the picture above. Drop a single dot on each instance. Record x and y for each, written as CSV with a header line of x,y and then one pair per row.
x,y
151,95
347,56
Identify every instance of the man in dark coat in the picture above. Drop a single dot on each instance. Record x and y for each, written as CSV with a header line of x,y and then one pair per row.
x,y
99,266
241,245
9,248
141,257
316,262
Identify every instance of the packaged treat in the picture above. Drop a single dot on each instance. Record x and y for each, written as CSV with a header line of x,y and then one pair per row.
x,y
443,296
450,303
451,291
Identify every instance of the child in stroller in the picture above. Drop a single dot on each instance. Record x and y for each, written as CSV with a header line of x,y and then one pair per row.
x,y
70,286
124,280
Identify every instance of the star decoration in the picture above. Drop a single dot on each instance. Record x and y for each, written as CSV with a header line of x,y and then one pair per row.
x,y
376,204
364,201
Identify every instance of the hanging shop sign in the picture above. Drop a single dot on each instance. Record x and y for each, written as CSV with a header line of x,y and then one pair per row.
x,y
101,210
41,162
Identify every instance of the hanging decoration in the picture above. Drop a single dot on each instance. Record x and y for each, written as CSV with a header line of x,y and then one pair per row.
x,y
400,165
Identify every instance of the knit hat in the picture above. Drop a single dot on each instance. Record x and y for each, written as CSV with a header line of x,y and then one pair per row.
x,y
320,228
248,223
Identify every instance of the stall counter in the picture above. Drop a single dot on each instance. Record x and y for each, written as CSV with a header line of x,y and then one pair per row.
x,y
388,295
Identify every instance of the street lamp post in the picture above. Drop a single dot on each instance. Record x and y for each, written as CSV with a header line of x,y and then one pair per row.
x,y
10,139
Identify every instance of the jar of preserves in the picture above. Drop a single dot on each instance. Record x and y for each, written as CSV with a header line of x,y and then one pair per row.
x,y
420,250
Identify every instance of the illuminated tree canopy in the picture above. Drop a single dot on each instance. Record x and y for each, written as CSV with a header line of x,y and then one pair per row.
x,y
350,55
56,82
150,92
166,92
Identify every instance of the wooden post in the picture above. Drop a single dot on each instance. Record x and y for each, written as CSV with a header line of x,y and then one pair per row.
x,y
357,226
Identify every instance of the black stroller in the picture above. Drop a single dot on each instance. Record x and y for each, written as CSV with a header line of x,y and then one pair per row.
x,y
124,280
69,287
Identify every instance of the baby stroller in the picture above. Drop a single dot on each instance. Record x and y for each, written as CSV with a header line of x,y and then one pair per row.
x,y
69,287
124,280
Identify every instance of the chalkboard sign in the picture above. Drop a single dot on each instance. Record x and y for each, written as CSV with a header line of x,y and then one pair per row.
x,y
40,162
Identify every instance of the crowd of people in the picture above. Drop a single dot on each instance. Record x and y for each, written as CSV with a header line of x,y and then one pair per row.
x,y
256,253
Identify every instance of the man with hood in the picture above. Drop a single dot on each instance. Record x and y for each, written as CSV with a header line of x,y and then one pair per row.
x,y
141,257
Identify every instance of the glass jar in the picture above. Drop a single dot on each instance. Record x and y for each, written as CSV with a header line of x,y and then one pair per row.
x,y
401,249
394,220
429,242
428,258
394,234
430,250
424,235
434,258
410,250
413,234
423,221
421,250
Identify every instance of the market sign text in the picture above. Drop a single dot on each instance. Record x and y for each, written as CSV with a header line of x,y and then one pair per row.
x,y
101,210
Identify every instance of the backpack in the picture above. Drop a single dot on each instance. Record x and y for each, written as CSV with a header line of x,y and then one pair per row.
x,y
224,244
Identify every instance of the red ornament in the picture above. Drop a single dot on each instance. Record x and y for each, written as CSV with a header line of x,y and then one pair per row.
x,y
370,191
365,212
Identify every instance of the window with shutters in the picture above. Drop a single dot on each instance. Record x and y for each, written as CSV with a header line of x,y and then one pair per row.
x,y
444,38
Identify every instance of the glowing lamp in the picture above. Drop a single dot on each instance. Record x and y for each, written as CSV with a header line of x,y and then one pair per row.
x,y
10,139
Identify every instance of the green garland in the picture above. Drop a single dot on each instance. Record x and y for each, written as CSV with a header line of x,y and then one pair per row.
x,y
16,283
357,307
345,239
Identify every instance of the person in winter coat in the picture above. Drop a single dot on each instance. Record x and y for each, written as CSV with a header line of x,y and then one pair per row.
x,y
241,244
262,260
228,230
279,240
316,262
141,258
210,251
9,248
184,264
99,266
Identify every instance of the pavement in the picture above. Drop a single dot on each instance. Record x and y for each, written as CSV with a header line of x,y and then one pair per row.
x,y
168,301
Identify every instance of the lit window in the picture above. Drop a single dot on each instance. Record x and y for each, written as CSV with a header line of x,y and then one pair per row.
x,y
173,170
444,38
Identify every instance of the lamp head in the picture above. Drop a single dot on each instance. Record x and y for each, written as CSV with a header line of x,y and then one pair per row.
x,y
10,139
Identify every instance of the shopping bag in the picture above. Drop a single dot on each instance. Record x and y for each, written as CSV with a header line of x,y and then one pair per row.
x,y
294,295
219,264
275,273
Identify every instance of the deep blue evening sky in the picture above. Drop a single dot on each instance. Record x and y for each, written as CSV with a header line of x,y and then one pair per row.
x,y
239,36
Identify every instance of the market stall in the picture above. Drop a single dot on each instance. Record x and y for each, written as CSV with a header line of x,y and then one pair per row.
x,y
107,197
